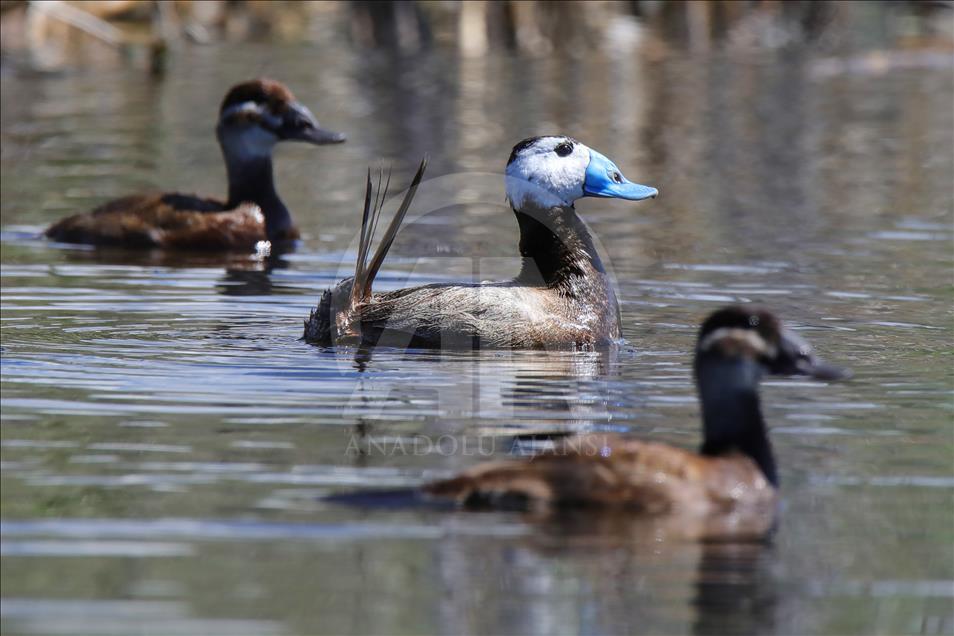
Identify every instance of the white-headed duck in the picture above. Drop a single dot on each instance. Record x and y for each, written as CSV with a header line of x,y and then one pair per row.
x,y
562,298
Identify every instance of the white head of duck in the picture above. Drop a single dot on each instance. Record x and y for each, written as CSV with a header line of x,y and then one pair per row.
x,y
555,171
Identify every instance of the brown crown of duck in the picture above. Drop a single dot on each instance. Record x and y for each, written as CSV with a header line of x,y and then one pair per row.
x,y
263,91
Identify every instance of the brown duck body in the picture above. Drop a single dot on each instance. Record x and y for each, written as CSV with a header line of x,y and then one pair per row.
x,y
169,221
614,472
253,117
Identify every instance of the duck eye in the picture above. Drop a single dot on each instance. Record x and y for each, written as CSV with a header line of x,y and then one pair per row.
x,y
564,148
617,177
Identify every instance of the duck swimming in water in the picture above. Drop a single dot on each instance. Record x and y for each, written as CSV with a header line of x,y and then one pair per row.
x,y
734,468
254,116
562,297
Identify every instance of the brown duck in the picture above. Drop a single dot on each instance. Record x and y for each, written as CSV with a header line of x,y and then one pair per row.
x,y
254,116
733,470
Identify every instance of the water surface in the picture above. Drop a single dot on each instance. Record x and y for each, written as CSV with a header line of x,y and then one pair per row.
x,y
166,435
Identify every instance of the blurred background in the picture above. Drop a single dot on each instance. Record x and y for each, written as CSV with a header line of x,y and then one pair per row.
x,y
166,436
58,35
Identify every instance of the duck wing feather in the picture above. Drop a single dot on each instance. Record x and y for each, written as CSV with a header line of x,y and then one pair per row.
x,y
610,471
164,220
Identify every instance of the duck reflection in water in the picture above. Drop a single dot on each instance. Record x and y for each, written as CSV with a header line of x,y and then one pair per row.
x,y
537,394
254,277
634,568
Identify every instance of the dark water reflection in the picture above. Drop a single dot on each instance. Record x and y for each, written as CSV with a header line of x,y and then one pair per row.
x,y
166,435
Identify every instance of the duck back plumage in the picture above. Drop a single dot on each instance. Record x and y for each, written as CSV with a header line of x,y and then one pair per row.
x,y
172,220
501,315
611,471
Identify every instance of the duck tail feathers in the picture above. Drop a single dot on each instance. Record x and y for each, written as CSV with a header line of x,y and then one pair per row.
x,y
366,269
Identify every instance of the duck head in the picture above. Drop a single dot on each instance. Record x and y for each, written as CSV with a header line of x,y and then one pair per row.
x,y
736,347
741,333
257,114
555,171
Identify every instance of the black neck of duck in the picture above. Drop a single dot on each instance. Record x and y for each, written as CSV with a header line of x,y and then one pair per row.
x,y
557,246
250,180
731,414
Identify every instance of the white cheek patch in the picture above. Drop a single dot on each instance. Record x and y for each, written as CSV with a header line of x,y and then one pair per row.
x,y
547,179
520,192
748,336
252,108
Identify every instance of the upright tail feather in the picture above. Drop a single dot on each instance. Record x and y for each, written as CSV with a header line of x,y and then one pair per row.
x,y
365,270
